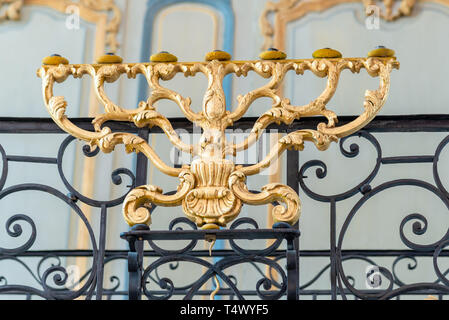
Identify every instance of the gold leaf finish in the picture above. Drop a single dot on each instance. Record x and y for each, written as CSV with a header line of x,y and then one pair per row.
x,y
212,201
213,189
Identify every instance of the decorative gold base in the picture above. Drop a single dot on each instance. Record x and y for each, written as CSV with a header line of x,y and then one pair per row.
x,y
210,226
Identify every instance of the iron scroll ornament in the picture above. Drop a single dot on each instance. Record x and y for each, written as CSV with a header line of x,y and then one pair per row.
x,y
213,189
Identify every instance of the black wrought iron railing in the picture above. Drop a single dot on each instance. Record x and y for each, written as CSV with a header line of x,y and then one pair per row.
x,y
282,269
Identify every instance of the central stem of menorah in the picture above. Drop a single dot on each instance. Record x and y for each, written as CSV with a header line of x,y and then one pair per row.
x,y
213,189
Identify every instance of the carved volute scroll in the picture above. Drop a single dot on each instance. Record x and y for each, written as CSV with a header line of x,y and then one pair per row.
x,y
213,189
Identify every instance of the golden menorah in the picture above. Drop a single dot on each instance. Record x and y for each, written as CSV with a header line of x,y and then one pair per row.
x,y
212,189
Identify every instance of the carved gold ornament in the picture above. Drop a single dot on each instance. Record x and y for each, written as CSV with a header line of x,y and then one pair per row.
x,y
213,189
13,8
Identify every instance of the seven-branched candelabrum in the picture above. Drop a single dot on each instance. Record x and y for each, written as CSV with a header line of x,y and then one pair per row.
x,y
213,189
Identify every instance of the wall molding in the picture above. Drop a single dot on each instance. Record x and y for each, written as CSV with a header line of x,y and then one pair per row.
x,y
94,11
285,11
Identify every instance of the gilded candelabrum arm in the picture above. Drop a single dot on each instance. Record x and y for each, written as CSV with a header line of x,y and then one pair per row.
x,y
275,191
374,100
322,138
145,114
321,68
282,110
326,133
105,139
265,69
153,73
100,75
294,140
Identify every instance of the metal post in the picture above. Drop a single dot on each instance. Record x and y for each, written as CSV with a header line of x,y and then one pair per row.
x,y
101,250
292,182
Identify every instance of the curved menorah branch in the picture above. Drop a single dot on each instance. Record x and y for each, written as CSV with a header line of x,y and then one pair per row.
x,y
153,73
105,139
266,69
287,113
212,189
321,68
282,111
374,100
294,140
275,191
146,114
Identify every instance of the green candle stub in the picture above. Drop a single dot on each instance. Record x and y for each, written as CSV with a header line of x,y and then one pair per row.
x,y
163,56
381,51
54,59
109,58
326,53
218,55
273,54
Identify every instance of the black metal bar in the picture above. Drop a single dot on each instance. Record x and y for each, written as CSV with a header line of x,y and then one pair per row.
x,y
140,249
407,159
292,271
224,252
31,159
135,259
47,125
292,169
101,249
333,254
298,273
292,178
293,182
134,276
392,123
226,291
219,234
142,161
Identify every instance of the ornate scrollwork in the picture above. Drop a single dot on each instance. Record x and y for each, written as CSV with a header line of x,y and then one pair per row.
x,y
267,287
212,189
